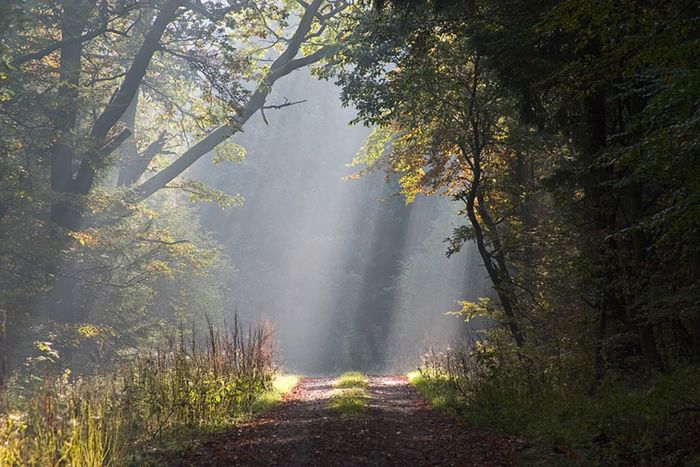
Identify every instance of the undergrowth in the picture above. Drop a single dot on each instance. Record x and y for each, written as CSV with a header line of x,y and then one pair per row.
x,y
656,423
159,402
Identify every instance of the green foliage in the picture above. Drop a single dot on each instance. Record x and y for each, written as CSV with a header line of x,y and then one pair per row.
x,y
620,423
350,402
62,423
471,310
438,391
569,131
373,151
136,278
198,191
131,268
229,152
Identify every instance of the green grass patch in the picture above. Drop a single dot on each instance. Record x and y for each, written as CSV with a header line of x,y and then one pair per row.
x,y
170,449
281,385
438,392
351,379
350,397
144,413
351,402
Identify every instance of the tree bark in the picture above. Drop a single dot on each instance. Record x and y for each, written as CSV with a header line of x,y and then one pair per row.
x,y
94,158
61,302
133,165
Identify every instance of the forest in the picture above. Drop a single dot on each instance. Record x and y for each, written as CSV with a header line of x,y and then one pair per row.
x,y
349,232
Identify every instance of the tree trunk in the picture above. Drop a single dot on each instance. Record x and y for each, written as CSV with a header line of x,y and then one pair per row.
x,y
60,304
495,262
592,140
3,347
65,213
128,173
524,176
64,117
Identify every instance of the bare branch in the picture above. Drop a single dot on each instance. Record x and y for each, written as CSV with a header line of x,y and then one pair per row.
x,y
285,104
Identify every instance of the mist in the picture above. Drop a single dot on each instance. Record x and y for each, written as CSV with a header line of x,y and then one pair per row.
x,y
351,276
336,232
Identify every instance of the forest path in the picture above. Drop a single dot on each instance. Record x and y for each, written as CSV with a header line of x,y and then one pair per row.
x,y
397,429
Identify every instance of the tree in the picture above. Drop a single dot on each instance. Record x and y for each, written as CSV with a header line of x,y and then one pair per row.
x,y
85,130
575,98
443,118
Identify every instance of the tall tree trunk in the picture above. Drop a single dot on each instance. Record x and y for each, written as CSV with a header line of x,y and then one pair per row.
x,y
530,116
494,261
60,304
65,214
129,151
3,347
524,176
592,140
74,20
640,277
603,208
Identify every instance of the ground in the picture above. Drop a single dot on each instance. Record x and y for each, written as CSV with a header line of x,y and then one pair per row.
x,y
397,429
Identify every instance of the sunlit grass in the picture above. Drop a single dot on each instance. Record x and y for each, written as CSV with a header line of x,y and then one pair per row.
x,y
351,379
281,385
151,408
437,391
350,397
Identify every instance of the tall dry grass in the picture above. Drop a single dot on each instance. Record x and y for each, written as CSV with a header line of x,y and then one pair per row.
x,y
164,394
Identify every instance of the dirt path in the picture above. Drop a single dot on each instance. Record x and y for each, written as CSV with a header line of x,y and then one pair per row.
x,y
398,429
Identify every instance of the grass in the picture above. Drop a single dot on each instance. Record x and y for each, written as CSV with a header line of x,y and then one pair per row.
x,y
281,385
144,412
438,392
350,396
351,379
